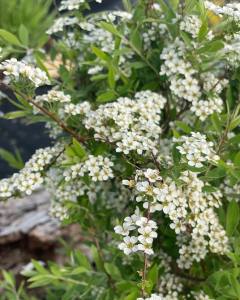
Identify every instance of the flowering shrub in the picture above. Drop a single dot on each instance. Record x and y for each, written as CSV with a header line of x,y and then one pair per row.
x,y
144,118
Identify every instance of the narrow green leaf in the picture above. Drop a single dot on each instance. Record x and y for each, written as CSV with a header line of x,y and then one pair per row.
x,y
113,271
106,97
203,32
212,46
78,149
234,123
216,122
127,5
23,35
9,37
82,260
233,217
110,28
237,159
133,295
8,277
16,114
15,161
100,54
185,128
136,39
111,78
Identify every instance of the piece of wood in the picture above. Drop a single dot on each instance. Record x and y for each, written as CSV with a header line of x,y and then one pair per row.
x,y
28,217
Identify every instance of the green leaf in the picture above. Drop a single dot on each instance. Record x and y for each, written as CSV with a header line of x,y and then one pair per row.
x,y
10,38
111,77
189,6
215,173
216,122
127,5
79,270
233,216
41,280
40,269
136,39
176,155
229,96
152,276
185,128
133,295
124,285
138,65
100,54
203,31
212,46
97,258
202,9
234,123
110,28
237,159
113,271
16,114
15,161
106,97
39,60
82,260
78,149
186,38
8,277
23,35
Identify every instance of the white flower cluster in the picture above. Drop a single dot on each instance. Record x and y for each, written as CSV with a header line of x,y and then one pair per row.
x,y
132,124
196,149
59,211
98,36
17,70
77,109
231,10
53,129
191,24
201,296
71,41
61,191
104,39
95,70
189,208
231,191
231,49
60,23
170,287
152,297
153,32
185,86
53,96
30,177
145,230
99,168
73,4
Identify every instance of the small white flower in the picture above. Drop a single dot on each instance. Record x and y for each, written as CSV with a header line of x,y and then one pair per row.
x,y
129,245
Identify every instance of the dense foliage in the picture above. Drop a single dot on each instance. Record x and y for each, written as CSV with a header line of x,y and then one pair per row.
x,y
28,21
144,115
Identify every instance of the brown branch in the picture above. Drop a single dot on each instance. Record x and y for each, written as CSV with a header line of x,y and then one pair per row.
x,y
52,116
144,273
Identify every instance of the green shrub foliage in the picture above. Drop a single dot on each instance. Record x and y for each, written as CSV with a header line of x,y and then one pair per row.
x,y
143,111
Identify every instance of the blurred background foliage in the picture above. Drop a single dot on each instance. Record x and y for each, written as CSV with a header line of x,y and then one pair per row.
x,y
28,20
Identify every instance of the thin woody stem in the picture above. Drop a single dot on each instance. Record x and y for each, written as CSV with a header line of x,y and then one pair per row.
x,y
52,116
145,264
